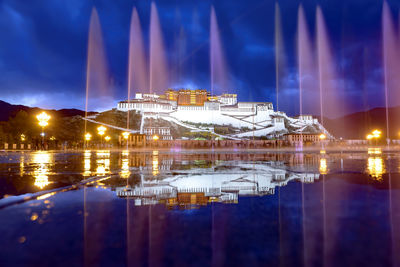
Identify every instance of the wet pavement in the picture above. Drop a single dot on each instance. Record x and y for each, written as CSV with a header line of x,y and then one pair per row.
x,y
191,208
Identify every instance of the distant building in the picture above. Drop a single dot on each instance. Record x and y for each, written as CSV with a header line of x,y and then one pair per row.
x,y
163,133
293,138
199,107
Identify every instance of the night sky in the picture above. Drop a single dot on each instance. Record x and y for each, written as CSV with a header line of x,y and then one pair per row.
x,y
43,48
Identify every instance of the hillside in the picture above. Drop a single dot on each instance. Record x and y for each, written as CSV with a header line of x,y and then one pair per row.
x,y
8,110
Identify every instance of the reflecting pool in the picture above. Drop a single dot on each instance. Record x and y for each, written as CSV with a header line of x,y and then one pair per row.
x,y
159,208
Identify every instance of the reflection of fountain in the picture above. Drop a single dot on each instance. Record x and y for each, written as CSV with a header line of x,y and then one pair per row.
x,y
43,158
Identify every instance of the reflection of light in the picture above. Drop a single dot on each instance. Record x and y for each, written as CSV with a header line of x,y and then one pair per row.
x,y
322,152
86,159
21,165
374,151
43,158
155,162
46,196
125,169
376,167
41,181
103,163
125,153
323,168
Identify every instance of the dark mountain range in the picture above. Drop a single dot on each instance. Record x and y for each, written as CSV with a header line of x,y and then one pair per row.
x,y
8,110
358,125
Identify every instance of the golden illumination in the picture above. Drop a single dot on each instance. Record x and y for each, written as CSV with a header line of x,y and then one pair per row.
x,y
155,137
43,119
155,162
376,167
376,133
323,167
370,136
125,135
88,136
87,163
107,138
101,130
103,162
322,136
125,173
23,138
43,159
374,151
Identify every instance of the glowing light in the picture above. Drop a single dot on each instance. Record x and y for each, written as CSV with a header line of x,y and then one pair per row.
x,y
125,173
370,136
155,162
46,196
155,137
125,135
43,119
374,151
23,137
107,138
43,158
103,163
322,136
376,133
323,167
376,168
88,136
87,163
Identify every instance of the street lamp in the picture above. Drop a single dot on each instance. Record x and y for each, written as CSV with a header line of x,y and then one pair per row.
x,y
88,136
155,137
125,135
43,119
107,138
374,135
101,131
23,137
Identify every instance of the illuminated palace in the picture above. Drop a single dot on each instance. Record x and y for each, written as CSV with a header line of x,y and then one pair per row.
x,y
190,108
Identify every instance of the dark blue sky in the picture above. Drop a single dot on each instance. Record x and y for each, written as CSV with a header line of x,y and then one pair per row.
x,y
44,42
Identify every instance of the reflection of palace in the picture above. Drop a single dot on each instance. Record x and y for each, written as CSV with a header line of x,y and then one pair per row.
x,y
224,182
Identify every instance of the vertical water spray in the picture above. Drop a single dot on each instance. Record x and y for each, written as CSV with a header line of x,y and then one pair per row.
x,y
304,54
218,68
158,65
329,93
137,69
278,46
390,64
96,67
